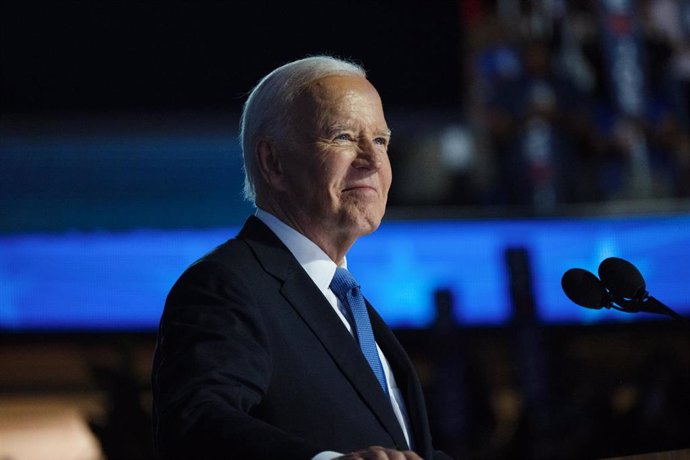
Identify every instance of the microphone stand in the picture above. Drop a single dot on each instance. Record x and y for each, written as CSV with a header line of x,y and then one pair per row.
x,y
647,304
652,305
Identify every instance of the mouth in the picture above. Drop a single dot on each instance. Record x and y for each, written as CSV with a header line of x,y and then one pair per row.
x,y
360,188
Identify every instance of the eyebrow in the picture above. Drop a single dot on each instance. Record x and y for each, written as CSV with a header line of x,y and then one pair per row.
x,y
347,127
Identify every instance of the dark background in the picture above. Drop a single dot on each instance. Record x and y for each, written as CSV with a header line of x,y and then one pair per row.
x,y
97,56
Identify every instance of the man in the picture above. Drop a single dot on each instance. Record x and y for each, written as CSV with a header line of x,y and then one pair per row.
x,y
261,353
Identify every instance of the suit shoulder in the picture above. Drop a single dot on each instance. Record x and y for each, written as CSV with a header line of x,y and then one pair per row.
x,y
232,260
228,253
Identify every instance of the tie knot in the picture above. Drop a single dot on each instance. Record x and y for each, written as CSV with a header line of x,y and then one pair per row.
x,y
343,282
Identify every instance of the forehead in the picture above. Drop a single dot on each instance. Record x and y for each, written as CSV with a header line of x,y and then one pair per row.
x,y
336,87
340,99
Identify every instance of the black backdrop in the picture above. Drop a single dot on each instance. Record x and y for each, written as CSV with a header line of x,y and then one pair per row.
x,y
96,55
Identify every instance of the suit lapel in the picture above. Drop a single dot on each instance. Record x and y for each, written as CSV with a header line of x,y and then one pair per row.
x,y
407,380
299,290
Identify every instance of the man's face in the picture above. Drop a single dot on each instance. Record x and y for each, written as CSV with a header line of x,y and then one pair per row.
x,y
337,172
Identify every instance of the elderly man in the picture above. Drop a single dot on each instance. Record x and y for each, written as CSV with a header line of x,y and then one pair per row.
x,y
266,347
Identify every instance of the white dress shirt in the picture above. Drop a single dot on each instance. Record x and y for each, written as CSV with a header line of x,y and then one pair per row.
x,y
321,269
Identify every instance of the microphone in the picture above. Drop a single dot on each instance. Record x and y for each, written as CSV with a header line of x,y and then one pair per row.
x,y
622,278
585,289
628,288
621,287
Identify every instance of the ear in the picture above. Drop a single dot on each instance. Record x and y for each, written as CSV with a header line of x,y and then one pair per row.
x,y
270,165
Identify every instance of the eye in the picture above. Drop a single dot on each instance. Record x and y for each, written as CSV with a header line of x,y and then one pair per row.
x,y
343,137
381,141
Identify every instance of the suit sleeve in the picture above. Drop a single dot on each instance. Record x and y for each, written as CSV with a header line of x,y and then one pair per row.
x,y
211,367
440,455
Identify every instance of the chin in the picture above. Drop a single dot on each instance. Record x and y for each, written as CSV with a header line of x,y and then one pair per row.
x,y
368,224
361,220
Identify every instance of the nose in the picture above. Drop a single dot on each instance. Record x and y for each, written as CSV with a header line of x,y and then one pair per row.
x,y
369,154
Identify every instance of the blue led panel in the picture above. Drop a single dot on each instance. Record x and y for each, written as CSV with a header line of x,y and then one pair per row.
x,y
119,280
403,263
658,247
87,281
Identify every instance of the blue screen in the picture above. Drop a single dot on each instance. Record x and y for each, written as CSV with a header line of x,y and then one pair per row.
x,y
119,280
659,248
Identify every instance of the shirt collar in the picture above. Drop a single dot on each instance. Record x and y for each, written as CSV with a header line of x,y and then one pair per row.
x,y
311,257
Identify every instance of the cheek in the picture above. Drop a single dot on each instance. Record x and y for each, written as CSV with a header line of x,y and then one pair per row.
x,y
335,171
315,174
325,184
386,175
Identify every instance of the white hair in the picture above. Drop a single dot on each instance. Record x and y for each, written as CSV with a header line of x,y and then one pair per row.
x,y
267,110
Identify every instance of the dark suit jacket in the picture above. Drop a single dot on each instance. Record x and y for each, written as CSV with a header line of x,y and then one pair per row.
x,y
252,362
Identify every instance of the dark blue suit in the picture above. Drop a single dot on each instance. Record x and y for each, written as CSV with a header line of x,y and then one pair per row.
x,y
252,362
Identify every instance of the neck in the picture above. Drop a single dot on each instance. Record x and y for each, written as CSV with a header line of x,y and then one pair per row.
x,y
334,243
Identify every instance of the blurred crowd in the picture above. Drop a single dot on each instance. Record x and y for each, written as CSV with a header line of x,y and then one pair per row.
x,y
565,102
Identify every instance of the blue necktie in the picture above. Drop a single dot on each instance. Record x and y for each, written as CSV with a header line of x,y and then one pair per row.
x,y
347,290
